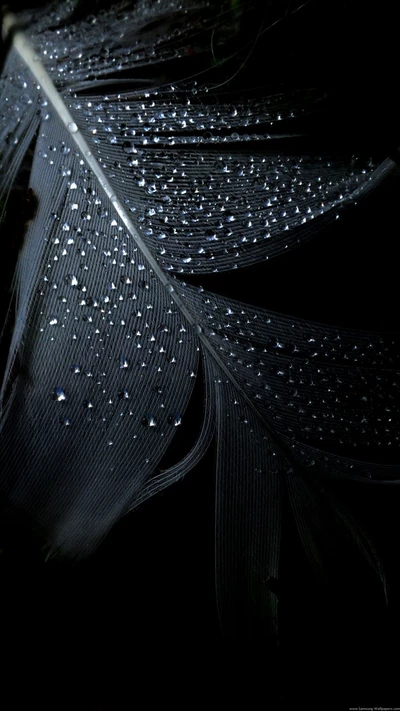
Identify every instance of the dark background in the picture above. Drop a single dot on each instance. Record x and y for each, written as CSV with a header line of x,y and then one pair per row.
x,y
137,625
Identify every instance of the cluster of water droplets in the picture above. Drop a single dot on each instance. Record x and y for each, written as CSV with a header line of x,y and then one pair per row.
x,y
205,210
213,179
99,306
130,35
334,390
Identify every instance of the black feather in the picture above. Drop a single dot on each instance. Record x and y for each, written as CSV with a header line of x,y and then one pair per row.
x,y
154,162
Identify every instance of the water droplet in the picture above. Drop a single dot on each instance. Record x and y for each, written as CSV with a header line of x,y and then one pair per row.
x,y
72,127
149,421
76,368
128,147
197,328
65,421
71,280
123,363
59,394
169,288
53,321
124,395
88,404
177,421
